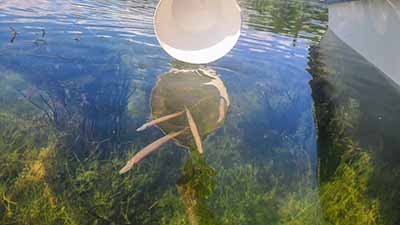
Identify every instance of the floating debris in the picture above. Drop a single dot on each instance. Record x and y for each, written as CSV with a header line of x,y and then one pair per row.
x,y
148,150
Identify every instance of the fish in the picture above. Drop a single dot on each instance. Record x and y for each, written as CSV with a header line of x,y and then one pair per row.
x,y
217,83
194,130
148,150
159,120
221,116
14,34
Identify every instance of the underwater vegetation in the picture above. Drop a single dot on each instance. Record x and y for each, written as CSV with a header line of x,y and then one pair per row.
x,y
45,180
45,188
67,130
345,194
88,111
355,176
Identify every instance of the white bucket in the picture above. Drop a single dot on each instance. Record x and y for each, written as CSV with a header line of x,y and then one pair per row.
x,y
197,31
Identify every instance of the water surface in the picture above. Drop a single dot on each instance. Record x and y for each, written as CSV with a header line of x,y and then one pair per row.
x,y
76,81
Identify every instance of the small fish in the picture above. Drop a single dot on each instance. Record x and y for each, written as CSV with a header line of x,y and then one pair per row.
x,y
194,130
216,82
159,120
148,150
40,41
14,34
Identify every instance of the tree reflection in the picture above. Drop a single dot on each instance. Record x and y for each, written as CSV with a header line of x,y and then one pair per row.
x,y
297,19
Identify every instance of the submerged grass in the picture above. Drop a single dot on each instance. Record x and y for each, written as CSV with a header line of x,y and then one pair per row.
x,y
43,181
354,181
47,184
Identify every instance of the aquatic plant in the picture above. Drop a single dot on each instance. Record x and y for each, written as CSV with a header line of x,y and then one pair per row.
x,y
68,188
345,199
350,171
195,186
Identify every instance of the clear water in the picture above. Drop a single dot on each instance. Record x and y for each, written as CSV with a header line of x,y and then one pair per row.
x,y
76,81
